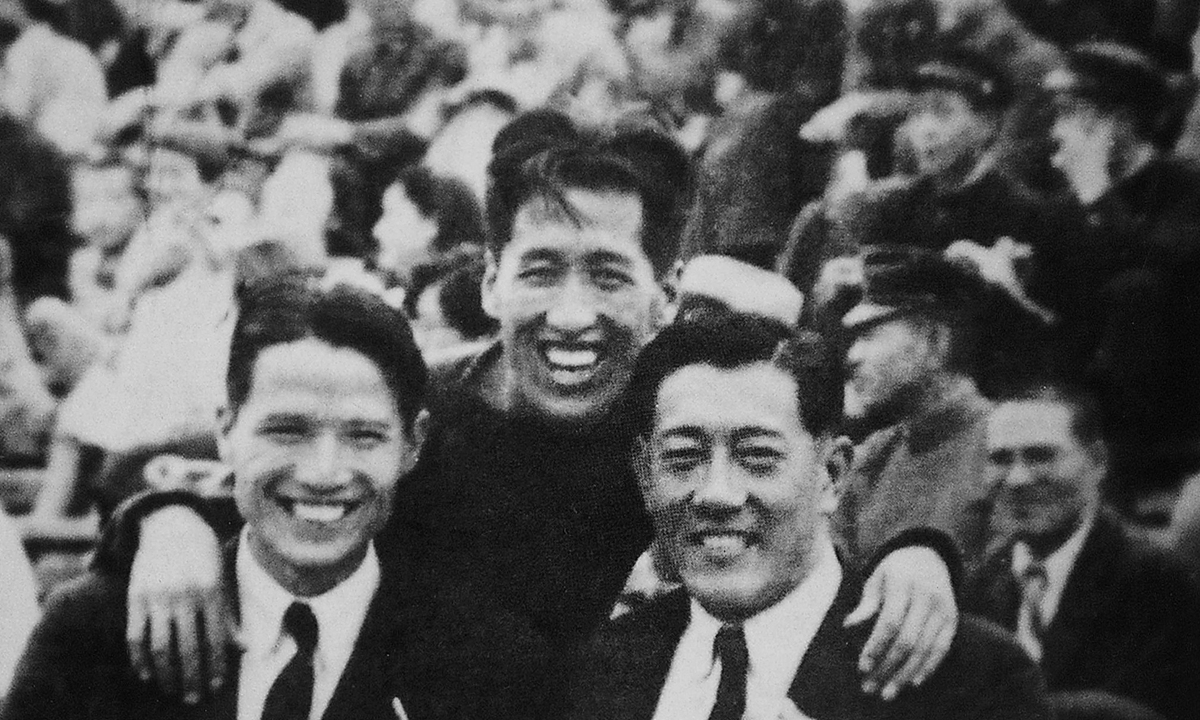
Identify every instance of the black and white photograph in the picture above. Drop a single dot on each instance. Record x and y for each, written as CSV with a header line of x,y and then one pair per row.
x,y
599,359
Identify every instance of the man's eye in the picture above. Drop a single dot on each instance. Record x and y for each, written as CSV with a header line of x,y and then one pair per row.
x,y
760,459
611,279
681,459
367,438
1040,455
538,274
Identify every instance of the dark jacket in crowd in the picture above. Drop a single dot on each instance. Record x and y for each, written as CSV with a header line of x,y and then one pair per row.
x,y
913,211
1126,285
985,675
1126,622
444,653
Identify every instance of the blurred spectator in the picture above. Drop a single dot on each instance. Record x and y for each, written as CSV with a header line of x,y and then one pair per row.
x,y
1183,532
371,71
18,601
231,76
754,172
462,148
1126,283
909,385
443,301
26,407
1130,22
424,215
1110,617
35,212
51,83
961,192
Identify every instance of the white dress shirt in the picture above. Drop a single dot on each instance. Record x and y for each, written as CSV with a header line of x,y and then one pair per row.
x,y
776,639
1058,566
340,613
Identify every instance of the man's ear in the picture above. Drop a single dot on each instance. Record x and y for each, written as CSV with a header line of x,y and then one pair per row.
x,y
640,459
669,285
225,418
837,454
487,288
416,441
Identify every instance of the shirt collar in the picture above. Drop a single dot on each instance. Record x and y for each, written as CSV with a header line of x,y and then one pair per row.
x,y
1058,564
797,616
339,611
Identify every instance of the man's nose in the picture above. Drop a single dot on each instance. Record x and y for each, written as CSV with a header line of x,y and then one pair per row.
x,y
574,306
722,488
1019,474
322,464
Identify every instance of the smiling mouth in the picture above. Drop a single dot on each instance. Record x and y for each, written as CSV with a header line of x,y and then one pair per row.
x,y
571,364
321,513
724,544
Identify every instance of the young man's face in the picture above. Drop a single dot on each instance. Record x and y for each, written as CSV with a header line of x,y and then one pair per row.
x,y
736,485
946,131
575,301
1047,476
1084,150
316,448
887,363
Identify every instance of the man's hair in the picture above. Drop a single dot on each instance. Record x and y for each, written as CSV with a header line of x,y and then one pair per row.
x,y
1086,419
300,305
460,273
730,341
446,201
543,153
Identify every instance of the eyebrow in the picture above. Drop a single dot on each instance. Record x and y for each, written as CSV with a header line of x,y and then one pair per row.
x,y
539,255
608,257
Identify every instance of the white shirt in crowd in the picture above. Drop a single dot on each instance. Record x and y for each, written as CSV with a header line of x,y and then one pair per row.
x,y
690,690
1058,568
340,613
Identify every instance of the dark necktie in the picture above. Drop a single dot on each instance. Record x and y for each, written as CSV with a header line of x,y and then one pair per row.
x,y
290,697
730,649
1033,592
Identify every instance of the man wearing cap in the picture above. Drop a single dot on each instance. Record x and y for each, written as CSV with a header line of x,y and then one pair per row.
x,y
908,381
961,191
1125,285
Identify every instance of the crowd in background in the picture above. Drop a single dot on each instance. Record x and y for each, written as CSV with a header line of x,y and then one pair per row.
x,y
1029,163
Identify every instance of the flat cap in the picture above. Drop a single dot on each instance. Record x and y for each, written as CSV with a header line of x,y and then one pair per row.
x,y
965,73
1112,75
901,281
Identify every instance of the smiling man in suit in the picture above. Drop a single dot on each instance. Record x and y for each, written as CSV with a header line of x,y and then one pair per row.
x,y
326,392
734,418
1111,617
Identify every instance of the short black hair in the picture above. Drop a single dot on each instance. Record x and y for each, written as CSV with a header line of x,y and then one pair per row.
x,y
460,275
543,153
1086,417
448,202
729,340
299,305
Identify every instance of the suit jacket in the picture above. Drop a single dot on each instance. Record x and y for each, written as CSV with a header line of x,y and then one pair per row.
x,y
442,655
1126,622
986,675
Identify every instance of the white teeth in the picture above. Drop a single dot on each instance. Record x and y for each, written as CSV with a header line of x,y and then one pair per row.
x,y
725,544
319,513
572,359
